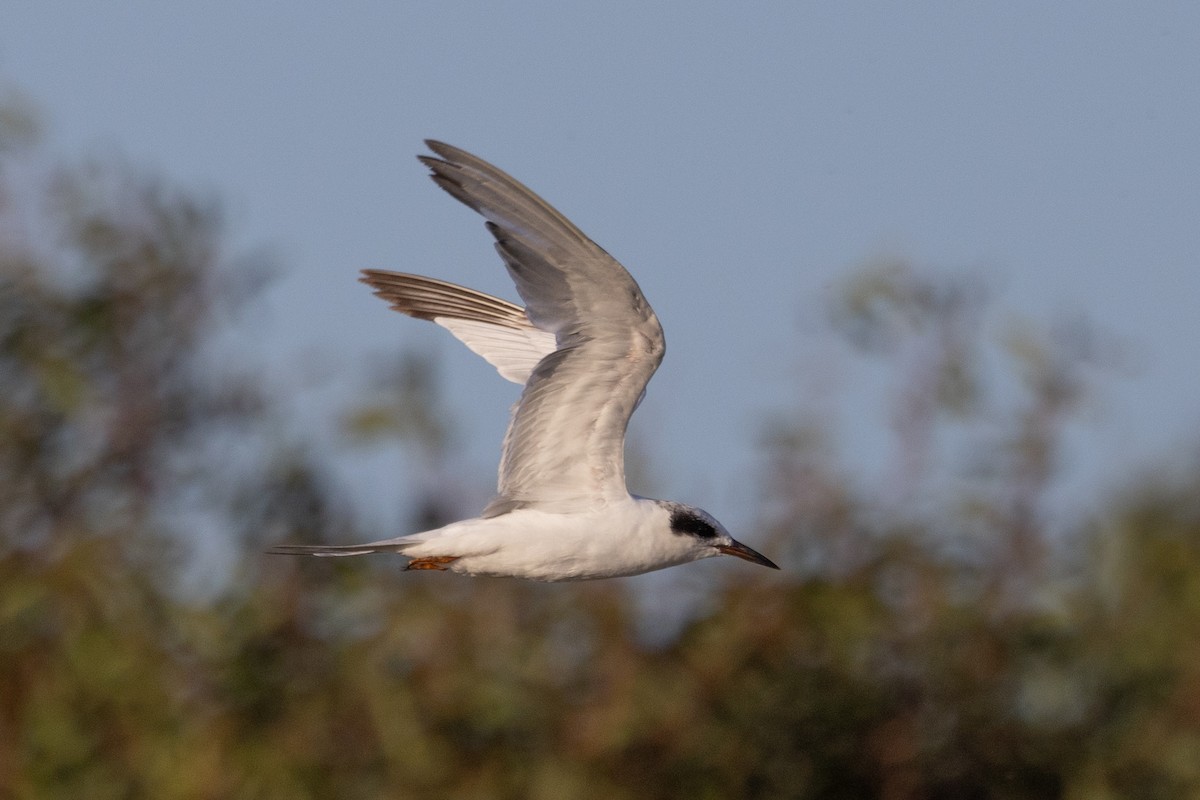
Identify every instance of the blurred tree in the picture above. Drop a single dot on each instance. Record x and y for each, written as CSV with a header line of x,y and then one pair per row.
x,y
116,431
403,405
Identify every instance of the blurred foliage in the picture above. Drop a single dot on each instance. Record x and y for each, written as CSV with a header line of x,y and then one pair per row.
x,y
19,123
404,405
940,654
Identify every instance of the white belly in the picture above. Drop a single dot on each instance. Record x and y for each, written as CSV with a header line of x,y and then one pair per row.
x,y
621,539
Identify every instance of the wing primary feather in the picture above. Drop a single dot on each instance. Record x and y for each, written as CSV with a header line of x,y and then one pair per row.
x,y
493,328
427,298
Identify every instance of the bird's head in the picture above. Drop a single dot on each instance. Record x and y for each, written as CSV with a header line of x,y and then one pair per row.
x,y
710,536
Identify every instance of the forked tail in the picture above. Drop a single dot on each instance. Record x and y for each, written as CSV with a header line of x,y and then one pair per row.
x,y
339,549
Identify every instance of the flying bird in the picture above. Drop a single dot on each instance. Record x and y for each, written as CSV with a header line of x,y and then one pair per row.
x,y
584,347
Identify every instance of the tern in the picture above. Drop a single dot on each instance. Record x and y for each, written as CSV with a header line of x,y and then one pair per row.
x,y
584,347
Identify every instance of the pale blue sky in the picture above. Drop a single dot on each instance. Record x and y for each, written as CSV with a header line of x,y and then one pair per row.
x,y
740,159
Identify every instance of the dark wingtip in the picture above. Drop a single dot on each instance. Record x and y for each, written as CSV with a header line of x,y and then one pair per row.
x,y
442,149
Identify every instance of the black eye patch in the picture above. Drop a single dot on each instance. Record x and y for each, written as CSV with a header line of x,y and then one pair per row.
x,y
686,523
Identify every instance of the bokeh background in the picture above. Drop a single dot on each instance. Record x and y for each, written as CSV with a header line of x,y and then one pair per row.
x,y
929,279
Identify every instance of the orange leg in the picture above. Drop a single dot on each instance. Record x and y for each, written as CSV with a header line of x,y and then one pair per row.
x,y
431,562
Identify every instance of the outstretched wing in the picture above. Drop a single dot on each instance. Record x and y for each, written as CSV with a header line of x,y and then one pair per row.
x,y
564,448
493,328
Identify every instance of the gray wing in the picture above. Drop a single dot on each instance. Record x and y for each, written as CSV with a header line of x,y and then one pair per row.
x,y
564,448
493,328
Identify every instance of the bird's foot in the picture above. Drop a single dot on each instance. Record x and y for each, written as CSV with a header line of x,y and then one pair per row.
x,y
431,562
